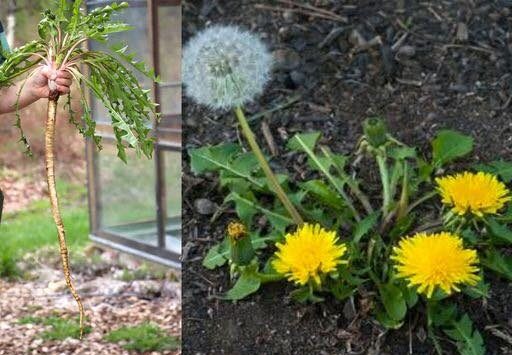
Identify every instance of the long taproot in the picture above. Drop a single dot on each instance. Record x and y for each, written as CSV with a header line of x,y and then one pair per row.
x,y
54,200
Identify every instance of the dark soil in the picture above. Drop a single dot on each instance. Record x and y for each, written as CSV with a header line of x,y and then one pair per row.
x,y
435,79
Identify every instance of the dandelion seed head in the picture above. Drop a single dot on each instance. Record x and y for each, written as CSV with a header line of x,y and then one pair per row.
x,y
225,67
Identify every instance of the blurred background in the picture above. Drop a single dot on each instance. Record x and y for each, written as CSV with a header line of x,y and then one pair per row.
x,y
123,221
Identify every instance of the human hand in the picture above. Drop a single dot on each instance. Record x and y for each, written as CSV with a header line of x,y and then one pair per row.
x,y
38,83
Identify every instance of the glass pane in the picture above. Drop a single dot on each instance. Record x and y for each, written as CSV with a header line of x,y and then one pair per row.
x,y
172,161
169,28
138,42
126,194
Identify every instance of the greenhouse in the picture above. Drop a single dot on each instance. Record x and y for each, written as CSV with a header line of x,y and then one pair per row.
x,y
136,207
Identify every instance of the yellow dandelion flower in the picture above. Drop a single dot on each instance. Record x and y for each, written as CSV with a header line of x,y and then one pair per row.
x,y
478,193
308,253
439,260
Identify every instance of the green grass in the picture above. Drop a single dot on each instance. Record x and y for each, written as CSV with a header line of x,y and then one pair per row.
x,y
34,228
60,328
144,272
143,337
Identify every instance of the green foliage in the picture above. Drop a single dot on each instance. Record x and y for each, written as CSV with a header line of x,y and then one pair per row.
x,y
60,328
501,168
365,226
143,272
448,146
144,337
499,231
469,341
248,283
8,266
32,229
499,263
332,195
393,301
61,33
217,255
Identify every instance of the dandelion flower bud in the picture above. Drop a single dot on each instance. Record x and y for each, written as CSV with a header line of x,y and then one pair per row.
x,y
240,244
225,67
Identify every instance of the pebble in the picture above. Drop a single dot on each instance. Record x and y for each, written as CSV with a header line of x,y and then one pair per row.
x,y
297,77
286,59
289,16
204,206
460,88
406,51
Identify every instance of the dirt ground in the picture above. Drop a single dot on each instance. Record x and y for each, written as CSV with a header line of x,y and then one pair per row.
x,y
421,65
111,301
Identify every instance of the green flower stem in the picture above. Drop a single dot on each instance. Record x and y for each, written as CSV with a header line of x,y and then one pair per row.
x,y
404,196
274,183
430,326
384,177
266,278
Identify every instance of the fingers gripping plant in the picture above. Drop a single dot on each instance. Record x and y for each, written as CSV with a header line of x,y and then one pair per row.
x,y
62,34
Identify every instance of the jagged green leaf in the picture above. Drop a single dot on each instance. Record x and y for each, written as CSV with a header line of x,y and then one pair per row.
x,y
450,145
501,168
469,341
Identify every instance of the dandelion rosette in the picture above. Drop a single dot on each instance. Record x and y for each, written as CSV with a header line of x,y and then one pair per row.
x,y
430,261
225,67
477,193
309,253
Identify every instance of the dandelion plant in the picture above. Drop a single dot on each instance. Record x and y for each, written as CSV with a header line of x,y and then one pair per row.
x,y
225,67
62,35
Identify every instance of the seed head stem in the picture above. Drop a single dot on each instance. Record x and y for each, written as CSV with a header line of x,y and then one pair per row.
x,y
273,182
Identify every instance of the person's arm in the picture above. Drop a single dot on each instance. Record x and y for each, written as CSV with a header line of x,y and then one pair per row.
x,y
35,88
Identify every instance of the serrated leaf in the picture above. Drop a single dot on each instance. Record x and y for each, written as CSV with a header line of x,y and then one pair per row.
x,y
499,231
443,314
247,284
469,341
212,158
323,193
480,290
300,140
247,207
216,256
401,153
365,226
502,264
499,167
450,145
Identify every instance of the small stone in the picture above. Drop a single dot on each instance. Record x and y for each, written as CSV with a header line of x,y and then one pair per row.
x,y
147,288
289,16
297,77
204,206
462,32
286,59
460,88
406,51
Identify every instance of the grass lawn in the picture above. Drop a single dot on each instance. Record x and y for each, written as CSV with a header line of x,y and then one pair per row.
x,y
33,228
